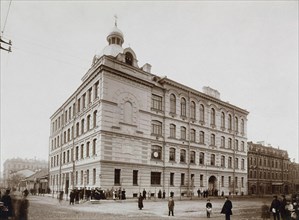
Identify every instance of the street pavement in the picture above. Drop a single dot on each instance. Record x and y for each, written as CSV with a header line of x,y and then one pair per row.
x,y
46,207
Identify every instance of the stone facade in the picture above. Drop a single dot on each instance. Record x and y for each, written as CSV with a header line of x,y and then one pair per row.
x,y
268,170
126,127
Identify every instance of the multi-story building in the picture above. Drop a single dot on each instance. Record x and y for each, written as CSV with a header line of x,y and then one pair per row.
x,y
268,169
126,127
294,176
15,165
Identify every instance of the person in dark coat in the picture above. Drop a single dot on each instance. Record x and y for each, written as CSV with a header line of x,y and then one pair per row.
x,y
23,208
144,194
227,208
170,205
283,211
140,201
72,198
275,208
6,199
209,208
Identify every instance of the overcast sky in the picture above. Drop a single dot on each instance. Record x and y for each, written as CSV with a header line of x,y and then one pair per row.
x,y
247,50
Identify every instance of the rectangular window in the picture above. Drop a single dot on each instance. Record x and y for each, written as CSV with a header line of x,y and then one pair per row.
x,y
222,181
77,153
96,87
94,144
236,181
94,176
84,100
171,181
87,177
242,181
82,151
156,102
68,156
70,113
135,177
117,177
89,95
78,105
229,181
82,176
201,180
157,128
76,178
182,179
155,178
87,149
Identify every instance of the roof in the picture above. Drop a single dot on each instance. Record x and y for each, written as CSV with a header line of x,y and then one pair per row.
x,y
38,175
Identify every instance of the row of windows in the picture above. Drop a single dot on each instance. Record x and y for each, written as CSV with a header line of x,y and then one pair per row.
x,y
80,129
157,105
156,153
268,175
267,162
80,104
84,178
157,130
80,153
156,179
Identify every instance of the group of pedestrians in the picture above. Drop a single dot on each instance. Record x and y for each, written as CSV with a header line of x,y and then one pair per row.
x,y
282,209
14,207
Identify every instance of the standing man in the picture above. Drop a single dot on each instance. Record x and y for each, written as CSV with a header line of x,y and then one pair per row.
x,y
6,199
140,201
198,192
275,208
144,194
227,208
170,204
209,208
283,211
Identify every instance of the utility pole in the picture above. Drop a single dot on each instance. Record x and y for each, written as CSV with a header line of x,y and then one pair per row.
x,y
5,43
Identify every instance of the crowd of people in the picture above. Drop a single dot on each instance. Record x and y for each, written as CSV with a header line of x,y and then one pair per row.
x,y
282,209
14,207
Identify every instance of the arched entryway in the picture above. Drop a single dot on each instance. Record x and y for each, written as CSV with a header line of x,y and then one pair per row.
x,y
213,190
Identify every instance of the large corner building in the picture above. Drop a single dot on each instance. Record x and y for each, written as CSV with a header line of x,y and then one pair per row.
x,y
126,127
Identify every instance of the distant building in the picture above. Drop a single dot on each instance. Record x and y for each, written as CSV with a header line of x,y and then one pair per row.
x,y
294,176
126,127
268,170
22,166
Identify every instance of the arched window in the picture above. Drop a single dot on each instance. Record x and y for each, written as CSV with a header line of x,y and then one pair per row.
x,y
156,127
236,145
201,113
212,159
222,120
183,107
242,126
95,118
183,133
222,161
192,135
213,117
172,131
223,141
229,122
172,104
183,156
229,162
201,137
172,154
192,157
230,143
156,152
236,124
129,58
213,141
201,158
128,112
193,110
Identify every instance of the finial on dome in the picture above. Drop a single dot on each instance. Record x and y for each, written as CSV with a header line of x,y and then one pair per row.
x,y
115,22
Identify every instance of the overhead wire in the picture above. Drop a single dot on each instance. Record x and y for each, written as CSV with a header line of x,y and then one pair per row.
x,y
6,17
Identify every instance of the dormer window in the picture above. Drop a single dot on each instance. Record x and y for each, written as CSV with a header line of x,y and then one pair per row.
x,y
129,58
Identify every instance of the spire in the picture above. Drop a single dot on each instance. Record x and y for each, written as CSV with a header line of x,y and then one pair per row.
x,y
115,22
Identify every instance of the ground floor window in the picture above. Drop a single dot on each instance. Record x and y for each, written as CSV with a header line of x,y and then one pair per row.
x,y
171,181
135,177
117,177
155,178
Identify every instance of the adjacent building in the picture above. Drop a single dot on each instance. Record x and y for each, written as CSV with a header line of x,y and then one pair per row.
x,y
20,166
127,127
269,170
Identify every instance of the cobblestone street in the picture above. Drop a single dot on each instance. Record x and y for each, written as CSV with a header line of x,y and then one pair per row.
x,y
50,208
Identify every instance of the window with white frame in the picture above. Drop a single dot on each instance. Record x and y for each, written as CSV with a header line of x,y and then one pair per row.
x,y
193,110
183,107
192,135
201,113
172,130
156,128
172,104
183,156
156,102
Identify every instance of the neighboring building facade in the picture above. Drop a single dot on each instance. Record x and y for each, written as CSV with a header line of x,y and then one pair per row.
x,y
17,165
126,127
294,177
268,170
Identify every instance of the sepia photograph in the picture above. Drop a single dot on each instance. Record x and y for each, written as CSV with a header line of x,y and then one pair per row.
x,y
149,110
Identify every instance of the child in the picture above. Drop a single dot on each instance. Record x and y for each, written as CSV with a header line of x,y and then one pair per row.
x,y
209,208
